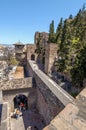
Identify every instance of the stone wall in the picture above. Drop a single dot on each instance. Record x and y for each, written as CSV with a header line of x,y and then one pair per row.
x,y
1,98
40,40
50,56
48,108
4,121
16,84
73,116
30,93
31,55
29,70
47,103
15,87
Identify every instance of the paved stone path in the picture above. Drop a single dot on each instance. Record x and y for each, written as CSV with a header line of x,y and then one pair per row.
x,y
28,121
17,124
32,118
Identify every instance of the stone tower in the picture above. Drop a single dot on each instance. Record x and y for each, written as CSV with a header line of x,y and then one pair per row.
x,y
50,56
31,55
21,53
40,40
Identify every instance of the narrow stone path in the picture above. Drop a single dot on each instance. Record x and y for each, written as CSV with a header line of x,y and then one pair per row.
x,y
32,119
17,124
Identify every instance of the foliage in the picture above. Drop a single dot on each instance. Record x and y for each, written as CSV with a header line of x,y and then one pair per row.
x,y
59,32
78,71
51,33
13,61
71,39
39,44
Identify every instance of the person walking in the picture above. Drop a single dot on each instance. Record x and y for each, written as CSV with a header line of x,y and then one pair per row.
x,y
21,106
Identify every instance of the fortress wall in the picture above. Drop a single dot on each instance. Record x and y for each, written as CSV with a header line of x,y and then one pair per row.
x,y
50,56
47,103
72,117
4,121
47,109
16,84
29,70
30,93
31,51
14,87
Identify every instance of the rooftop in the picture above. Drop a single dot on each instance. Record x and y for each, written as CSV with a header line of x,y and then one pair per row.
x,y
18,43
19,73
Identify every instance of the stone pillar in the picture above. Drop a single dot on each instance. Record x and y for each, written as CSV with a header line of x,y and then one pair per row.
x,y
50,55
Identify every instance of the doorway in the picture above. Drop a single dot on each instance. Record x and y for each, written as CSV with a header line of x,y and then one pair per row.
x,y
20,100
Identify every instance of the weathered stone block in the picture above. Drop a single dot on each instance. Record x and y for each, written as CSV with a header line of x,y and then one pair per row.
x,y
80,124
69,113
61,124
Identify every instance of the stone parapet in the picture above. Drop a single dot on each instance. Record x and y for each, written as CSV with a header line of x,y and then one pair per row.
x,y
4,117
51,98
45,83
16,84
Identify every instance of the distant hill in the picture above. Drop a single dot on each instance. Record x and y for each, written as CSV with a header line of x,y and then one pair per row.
x,y
6,45
1,46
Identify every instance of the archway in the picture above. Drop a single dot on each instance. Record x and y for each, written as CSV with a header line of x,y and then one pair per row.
x,y
32,57
20,99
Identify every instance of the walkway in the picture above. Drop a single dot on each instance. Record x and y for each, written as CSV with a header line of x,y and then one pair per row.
x,y
17,124
29,120
60,93
33,119
73,117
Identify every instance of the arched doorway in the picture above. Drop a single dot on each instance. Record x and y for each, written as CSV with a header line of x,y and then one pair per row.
x,y
20,100
32,57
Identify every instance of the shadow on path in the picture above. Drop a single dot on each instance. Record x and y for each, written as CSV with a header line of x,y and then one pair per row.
x,y
33,120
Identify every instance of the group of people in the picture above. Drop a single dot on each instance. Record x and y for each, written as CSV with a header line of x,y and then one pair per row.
x,y
20,101
17,113
20,104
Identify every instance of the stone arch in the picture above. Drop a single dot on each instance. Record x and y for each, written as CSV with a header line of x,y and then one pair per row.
x,y
32,57
21,98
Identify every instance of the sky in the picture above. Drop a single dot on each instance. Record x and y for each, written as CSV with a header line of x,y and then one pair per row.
x,y
20,19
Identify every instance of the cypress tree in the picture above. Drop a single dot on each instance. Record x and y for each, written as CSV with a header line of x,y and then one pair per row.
x,y
51,33
59,31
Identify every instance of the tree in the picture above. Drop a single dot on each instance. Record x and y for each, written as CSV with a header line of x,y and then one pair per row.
x,y
51,33
71,16
13,61
59,32
72,47
78,71
64,51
